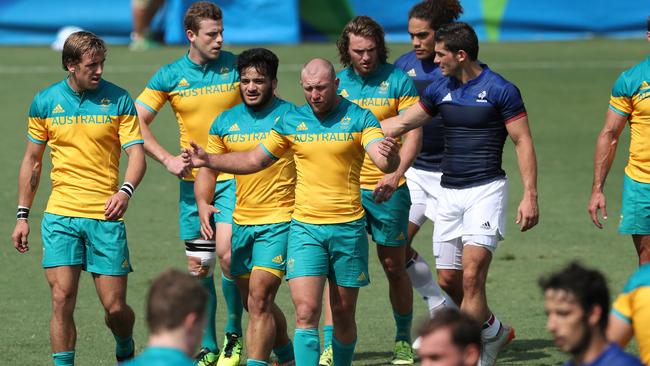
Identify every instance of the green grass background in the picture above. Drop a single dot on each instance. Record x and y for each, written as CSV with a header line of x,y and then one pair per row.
x,y
566,87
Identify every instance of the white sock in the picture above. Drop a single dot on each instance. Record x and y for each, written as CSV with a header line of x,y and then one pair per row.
x,y
422,279
491,327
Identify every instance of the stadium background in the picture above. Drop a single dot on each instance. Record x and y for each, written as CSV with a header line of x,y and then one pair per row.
x,y
565,85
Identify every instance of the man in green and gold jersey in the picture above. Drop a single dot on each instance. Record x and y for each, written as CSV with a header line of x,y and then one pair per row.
x,y
199,86
85,121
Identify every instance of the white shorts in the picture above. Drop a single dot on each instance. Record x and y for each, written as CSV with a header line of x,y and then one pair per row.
x,y
425,190
469,216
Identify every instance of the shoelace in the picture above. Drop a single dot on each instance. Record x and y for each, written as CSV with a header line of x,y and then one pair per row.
x,y
232,342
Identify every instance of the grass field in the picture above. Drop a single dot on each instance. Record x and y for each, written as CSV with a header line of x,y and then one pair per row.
x,y
566,89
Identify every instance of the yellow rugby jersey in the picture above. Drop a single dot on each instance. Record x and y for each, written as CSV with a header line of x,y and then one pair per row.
x,y
197,94
386,92
85,132
631,98
328,156
266,197
633,306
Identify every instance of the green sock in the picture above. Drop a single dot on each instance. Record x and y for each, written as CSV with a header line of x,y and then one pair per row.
x,y
306,346
63,358
251,362
328,330
234,304
403,325
343,353
284,353
209,332
123,346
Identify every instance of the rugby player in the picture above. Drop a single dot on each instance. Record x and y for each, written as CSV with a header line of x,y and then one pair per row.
x,y
327,238
423,177
86,121
199,86
264,205
628,102
479,109
372,83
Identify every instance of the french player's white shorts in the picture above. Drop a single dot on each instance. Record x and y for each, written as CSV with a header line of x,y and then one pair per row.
x,y
469,216
425,190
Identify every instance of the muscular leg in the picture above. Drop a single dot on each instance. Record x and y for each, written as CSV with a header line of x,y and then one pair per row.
x,y
344,305
64,282
261,331
400,290
642,245
307,296
119,316
234,302
476,261
451,281
328,323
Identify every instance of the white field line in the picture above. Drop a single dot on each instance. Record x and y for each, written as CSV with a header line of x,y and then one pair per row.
x,y
514,65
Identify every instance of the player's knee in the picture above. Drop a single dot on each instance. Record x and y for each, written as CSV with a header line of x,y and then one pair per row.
x,y
201,258
395,270
307,314
472,280
62,300
450,281
259,301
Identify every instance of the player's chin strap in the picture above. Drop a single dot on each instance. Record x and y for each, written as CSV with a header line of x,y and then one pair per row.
x,y
204,253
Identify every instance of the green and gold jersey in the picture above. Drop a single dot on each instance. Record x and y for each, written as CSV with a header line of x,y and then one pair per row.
x,y
631,98
266,197
85,132
386,92
197,95
328,156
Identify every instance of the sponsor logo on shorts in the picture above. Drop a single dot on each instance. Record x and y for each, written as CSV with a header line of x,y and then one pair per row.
x,y
362,277
125,264
278,259
58,109
486,225
290,264
400,236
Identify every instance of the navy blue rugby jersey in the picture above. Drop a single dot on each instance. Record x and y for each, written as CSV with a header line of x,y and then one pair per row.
x,y
423,73
474,116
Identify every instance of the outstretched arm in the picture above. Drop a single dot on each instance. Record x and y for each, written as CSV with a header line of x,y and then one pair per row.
x,y
528,211
603,159
245,162
413,117
385,154
29,177
174,164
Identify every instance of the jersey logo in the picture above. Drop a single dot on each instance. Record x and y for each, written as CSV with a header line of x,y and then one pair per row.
x,y
447,98
383,87
345,122
278,259
58,109
183,83
344,93
224,70
362,277
411,73
104,104
486,225
481,97
400,236
125,264
233,128
302,127
276,119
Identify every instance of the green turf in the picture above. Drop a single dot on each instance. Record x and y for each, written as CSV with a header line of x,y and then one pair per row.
x,y
565,86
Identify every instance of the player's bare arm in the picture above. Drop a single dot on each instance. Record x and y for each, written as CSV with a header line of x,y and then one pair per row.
x,y
413,117
117,204
603,159
528,210
246,162
411,145
173,163
385,154
204,184
29,177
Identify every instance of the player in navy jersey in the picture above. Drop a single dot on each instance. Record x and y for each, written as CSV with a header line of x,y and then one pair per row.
x,y
479,109
423,178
